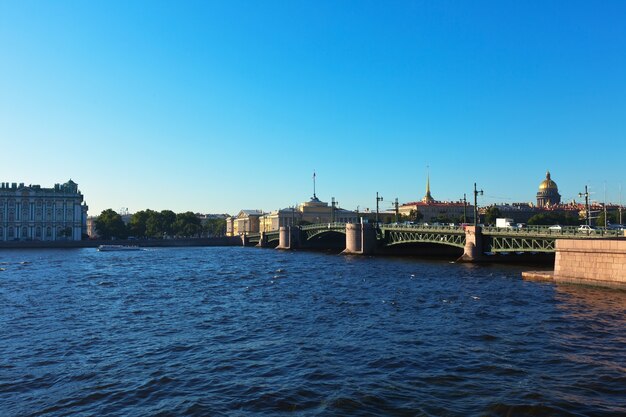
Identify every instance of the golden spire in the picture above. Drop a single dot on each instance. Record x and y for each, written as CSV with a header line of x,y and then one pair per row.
x,y
428,198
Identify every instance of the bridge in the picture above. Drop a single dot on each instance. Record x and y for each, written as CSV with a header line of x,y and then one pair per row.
x,y
475,242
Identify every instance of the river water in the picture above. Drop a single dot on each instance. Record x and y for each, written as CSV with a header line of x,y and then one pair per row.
x,y
246,331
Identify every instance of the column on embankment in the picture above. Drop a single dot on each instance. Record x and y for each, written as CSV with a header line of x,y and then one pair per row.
x,y
288,237
473,250
360,239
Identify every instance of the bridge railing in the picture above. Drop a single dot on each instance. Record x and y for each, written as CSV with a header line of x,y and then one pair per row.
x,y
438,228
566,231
316,226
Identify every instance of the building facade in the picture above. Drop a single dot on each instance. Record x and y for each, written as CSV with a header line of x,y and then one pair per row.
x,y
246,221
36,213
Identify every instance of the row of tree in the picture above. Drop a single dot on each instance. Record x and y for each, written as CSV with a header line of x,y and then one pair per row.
x,y
157,224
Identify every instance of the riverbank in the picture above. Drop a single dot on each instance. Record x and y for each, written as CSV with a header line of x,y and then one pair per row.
x,y
148,243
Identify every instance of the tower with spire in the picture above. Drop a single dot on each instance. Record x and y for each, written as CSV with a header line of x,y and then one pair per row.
x,y
428,198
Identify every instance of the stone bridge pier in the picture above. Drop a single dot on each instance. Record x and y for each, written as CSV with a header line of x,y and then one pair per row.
x,y
473,250
263,243
288,237
361,239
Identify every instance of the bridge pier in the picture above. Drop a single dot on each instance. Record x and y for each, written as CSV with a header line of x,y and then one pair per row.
x,y
262,240
360,239
288,237
473,251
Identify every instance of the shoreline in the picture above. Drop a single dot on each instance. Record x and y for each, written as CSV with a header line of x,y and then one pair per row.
x,y
148,243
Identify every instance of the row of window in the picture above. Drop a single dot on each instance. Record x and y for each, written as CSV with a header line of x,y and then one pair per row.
x,y
11,216
12,232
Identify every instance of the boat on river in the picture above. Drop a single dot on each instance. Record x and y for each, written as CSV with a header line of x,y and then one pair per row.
x,y
111,248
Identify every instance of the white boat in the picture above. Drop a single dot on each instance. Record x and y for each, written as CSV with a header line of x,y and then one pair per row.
x,y
111,248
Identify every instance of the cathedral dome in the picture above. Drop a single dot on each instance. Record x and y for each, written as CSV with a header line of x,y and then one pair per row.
x,y
548,184
548,194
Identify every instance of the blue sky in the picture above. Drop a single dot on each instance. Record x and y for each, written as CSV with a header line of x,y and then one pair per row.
x,y
218,106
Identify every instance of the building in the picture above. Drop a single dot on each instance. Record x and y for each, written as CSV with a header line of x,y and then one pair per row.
x,y
438,211
309,212
92,233
548,194
36,213
246,221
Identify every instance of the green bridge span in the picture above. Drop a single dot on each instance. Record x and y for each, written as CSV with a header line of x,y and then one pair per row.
x,y
474,241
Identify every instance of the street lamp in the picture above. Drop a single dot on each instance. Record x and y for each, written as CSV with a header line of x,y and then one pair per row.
x,y
476,192
587,214
378,199
397,211
464,208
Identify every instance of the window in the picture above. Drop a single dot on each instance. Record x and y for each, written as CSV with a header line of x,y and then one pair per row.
x,y
24,231
38,232
11,232
49,232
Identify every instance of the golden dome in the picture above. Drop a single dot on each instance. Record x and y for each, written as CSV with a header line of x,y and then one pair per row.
x,y
548,184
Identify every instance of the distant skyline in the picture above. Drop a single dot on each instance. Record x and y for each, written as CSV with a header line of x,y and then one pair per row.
x,y
214,106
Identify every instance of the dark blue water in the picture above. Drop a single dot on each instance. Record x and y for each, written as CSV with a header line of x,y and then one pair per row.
x,y
245,331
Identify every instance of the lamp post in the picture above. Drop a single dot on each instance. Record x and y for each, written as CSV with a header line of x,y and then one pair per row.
x,y
476,192
333,205
464,208
378,199
397,210
587,214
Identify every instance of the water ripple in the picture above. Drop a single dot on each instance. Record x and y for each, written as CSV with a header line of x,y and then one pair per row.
x,y
241,331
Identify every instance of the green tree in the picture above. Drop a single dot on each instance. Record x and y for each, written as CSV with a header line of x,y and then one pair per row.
x,y
555,217
137,224
442,218
612,216
415,215
187,225
215,227
168,217
154,228
110,225
491,214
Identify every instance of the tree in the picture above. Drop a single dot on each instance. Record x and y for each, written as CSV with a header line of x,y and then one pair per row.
x,y
215,227
491,214
154,228
612,216
187,225
138,222
168,217
555,217
110,225
442,218
415,215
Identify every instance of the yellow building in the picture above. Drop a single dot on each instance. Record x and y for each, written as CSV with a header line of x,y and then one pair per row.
x,y
246,221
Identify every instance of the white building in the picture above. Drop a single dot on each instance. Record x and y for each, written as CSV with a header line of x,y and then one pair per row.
x,y
35,213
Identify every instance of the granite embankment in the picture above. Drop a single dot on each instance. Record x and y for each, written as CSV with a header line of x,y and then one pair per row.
x,y
69,244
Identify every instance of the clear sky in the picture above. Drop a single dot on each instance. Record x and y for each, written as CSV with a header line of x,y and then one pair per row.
x,y
216,106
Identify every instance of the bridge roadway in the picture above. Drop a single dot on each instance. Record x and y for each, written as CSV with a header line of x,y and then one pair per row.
x,y
488,240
